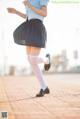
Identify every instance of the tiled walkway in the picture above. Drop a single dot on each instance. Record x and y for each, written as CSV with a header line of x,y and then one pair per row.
x,y
17,97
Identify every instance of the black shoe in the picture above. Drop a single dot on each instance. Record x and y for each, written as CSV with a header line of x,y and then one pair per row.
x,y
40,94
43,92
46,91
47,66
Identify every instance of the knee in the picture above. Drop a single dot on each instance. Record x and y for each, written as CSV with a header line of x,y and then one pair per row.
x,y
31,60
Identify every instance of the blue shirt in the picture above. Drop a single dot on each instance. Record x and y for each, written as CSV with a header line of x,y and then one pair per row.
x,y
37,4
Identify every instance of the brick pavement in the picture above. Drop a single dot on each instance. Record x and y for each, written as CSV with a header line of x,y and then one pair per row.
x,y
17,97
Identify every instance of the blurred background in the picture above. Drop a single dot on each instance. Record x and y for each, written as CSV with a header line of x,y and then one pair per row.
x,y
63,28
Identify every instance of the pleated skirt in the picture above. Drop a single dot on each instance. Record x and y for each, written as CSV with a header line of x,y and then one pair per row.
x,y
31,33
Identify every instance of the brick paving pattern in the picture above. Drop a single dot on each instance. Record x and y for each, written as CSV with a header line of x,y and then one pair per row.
x,y
17,97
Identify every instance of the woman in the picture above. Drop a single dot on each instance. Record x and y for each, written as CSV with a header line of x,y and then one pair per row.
x,y
32,34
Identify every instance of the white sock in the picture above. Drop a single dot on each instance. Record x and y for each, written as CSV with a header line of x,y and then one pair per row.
x,y
39,60
34,63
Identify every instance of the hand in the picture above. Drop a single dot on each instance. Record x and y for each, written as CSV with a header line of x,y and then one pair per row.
x,y
11,10
27,3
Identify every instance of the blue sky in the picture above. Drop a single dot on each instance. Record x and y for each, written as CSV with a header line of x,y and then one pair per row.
x,y
63,27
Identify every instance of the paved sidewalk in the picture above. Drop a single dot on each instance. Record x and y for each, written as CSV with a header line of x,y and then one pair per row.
x,y
17,97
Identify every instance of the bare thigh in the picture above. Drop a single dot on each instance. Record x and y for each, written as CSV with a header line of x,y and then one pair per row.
x,y
28,50
33,50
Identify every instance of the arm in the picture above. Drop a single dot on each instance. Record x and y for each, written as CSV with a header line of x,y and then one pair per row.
x,y
42,11
14,11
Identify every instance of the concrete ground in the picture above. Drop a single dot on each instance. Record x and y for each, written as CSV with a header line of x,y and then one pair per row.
x,y
17,97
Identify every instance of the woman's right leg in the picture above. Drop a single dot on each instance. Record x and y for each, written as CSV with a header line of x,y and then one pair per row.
x,y
34,60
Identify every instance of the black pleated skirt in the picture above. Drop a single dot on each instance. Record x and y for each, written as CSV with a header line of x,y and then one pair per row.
x,y
31,33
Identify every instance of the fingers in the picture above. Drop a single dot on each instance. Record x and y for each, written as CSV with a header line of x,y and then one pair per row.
x,y
11,10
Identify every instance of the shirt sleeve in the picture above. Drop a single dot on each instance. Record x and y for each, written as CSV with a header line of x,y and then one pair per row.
x,y
44,2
